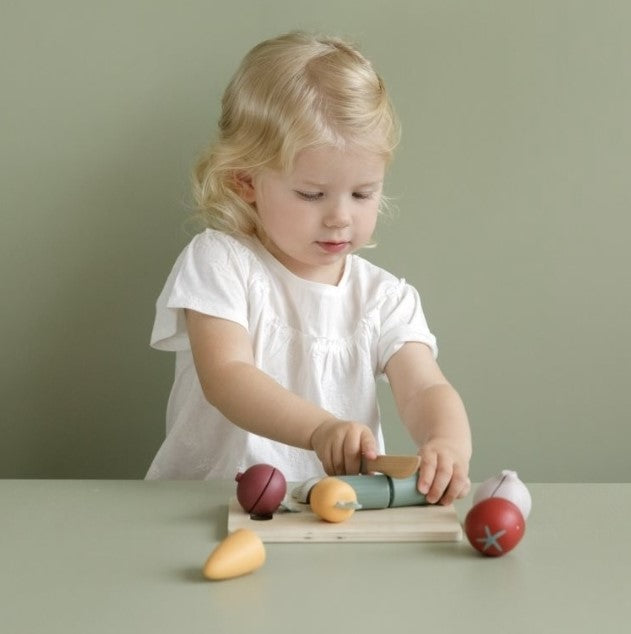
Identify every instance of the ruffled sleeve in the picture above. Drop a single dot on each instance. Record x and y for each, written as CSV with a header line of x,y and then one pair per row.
x,y
402,320
209,277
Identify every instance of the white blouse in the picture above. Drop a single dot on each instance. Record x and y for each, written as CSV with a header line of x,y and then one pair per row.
x,y
326,343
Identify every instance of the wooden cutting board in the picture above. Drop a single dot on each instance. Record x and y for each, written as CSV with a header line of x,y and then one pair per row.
x,y
404,524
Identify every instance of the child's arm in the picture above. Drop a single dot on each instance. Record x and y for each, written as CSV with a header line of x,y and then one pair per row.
x,y
435,417
252,400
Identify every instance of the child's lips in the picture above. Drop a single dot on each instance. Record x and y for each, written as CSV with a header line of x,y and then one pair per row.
x,y
333,247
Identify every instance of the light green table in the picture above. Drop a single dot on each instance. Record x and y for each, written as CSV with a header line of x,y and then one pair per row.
x,y
123,557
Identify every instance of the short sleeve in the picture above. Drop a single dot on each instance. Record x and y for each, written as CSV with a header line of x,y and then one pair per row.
x,y
209,277
402,320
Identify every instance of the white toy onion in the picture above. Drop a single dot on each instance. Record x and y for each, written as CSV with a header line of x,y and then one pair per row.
x,y
505,485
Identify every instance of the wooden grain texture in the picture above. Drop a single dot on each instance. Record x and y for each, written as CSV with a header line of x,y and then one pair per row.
x,y
394,466
405,524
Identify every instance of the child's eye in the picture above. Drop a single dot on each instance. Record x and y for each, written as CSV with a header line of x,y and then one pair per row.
x,y
310,195
362,195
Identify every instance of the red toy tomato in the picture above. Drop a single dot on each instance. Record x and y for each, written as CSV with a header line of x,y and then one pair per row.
x,y
261,489
494,526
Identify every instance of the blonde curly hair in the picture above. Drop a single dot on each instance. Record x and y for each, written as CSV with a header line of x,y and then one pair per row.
x,y
292,92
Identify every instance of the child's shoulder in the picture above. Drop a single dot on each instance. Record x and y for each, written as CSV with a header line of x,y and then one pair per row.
x,y
219,247
218,240
375,278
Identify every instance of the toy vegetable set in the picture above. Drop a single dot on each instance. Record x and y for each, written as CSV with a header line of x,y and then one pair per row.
x,y
384,506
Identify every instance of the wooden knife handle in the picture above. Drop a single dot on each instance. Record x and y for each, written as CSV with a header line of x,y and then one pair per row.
x,y
393,466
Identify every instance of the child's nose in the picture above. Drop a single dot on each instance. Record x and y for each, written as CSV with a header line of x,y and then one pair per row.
x,y
337,216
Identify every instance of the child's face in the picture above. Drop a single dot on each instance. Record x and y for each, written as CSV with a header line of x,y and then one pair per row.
x,y
323,209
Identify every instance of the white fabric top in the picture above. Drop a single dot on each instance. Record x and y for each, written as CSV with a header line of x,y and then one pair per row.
x,y
325,343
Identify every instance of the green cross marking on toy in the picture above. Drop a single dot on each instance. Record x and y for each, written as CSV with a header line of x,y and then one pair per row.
x,y
491,538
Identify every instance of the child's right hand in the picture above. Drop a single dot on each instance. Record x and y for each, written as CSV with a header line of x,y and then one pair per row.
x,y
340,445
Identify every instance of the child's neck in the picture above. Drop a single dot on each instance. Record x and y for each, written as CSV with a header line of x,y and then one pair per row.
x,y
323,274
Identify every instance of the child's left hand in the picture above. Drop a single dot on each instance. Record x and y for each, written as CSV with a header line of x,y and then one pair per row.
x,y
435,416
443,476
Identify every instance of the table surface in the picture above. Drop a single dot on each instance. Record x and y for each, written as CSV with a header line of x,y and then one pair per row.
x,y
96,556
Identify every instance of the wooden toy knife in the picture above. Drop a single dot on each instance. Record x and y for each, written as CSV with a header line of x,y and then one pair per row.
x,y
393,466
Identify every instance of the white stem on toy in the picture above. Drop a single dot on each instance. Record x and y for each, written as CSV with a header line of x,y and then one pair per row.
x,y
351,504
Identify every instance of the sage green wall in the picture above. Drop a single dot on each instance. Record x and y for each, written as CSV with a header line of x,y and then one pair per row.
x,y
511,183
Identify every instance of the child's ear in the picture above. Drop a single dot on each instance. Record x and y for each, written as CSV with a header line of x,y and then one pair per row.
x,y
245,186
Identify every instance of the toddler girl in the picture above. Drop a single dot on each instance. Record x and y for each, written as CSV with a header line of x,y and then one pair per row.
x,y
280,330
